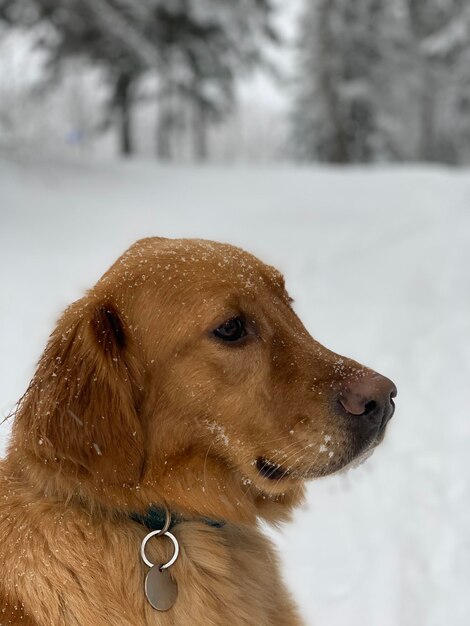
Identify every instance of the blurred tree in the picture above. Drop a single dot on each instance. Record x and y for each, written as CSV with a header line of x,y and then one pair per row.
x,y
383,79
335,117
440,33
197,48
93,29
206,45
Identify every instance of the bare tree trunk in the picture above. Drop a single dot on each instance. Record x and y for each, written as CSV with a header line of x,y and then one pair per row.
x,y
123,102
200,142
164,131
422,26
336,148
427,131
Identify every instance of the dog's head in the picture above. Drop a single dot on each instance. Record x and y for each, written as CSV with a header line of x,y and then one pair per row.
x,y
185,376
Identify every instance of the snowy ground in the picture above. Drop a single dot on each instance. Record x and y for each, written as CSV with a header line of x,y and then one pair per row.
x,y
379,265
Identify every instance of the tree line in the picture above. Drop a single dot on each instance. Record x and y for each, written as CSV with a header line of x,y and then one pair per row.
x,y
373,80
196,48
383,80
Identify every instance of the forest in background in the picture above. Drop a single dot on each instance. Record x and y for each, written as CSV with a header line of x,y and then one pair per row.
x,y
336,81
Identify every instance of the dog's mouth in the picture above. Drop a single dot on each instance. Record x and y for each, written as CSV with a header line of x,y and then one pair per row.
x,y
272,471
355,453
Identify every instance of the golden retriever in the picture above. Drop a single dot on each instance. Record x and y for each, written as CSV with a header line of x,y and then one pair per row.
x,y
182,381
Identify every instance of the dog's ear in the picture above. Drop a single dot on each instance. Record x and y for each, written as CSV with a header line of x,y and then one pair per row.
x,y
81,409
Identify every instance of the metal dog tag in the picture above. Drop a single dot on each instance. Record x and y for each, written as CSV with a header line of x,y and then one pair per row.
x,y
160,589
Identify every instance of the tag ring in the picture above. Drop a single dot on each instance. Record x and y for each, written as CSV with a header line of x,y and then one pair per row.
x,y
156,533
166,525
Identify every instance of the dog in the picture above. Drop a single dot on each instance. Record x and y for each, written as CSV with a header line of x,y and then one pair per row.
x,y
179,402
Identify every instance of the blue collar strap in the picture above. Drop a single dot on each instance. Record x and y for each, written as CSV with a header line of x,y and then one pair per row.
x,y
155,517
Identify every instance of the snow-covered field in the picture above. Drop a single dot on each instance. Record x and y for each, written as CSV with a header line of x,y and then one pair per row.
x,y
378,262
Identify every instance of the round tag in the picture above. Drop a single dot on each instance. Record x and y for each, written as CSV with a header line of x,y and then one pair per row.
x,y
160,589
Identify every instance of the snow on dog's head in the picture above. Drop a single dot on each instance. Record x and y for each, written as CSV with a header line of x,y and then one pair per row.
x,y
184,376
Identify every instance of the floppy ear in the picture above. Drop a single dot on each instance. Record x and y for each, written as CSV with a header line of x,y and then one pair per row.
x,y
81,409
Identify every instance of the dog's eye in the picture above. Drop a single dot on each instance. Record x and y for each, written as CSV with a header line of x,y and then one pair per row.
x,y
232,330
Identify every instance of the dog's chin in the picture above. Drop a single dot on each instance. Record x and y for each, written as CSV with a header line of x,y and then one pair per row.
x,y
354,463
360,456
342,465
358,459
271,475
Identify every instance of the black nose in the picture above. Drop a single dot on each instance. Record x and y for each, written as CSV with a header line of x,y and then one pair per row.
x,y
370,397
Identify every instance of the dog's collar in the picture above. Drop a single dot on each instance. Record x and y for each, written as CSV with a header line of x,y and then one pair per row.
x,y
160,588
155,519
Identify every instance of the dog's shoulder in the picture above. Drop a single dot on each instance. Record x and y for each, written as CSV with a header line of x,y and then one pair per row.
x,y
12,611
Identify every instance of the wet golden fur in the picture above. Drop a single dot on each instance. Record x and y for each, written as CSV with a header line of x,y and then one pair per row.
x,y
134,402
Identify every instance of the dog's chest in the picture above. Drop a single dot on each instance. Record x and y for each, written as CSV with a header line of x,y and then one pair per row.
x,y
223,576
72,574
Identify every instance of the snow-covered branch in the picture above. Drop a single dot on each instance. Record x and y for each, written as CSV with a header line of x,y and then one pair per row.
x,y
113,21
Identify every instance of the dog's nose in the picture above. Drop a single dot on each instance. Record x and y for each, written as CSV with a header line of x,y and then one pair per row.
x,y
370,397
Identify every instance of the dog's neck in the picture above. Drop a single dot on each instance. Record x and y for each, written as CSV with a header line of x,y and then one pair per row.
x,y
190,493
155,517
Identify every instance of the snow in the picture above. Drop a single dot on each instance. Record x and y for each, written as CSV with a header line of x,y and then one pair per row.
x,y
378,262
